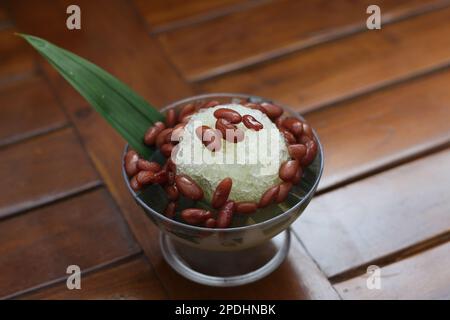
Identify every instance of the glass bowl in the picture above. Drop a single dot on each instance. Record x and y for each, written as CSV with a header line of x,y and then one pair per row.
x,y
235,255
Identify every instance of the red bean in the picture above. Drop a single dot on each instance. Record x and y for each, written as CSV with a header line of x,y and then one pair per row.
x,y
221,193
166,149
187,109
210,138
171,118
145,177
160,177
228,114
285,187
163,137
294,125
251,123
288,136
223,125
269,196
225,215
210,104
148,165
152,132
297,151
195,216
304,139
134,184
131,163
288,169
188,187
170,177
246,207
298,176
210,223
229,131
170,210
311,152
307,130
171,170
172,192
251,105
179,125
255,106
160,124
272,110
279,122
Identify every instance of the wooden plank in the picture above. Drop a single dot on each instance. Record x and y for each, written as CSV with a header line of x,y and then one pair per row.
x,y
423,276
15,57
105,146
162,15
28,108
3,14
37,247
378,216
130,54
383,128
274,29
348,67
131,280
43,169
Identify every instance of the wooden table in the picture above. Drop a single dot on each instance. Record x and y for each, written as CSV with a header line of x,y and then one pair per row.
x,y
379,99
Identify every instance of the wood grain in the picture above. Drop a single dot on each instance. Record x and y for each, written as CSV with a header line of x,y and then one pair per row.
x,y
130,55
349,67
163,15
28,108
105,146
423,276
37,247
270,30
130,280
3,15
378,216
377,130
15,56
41,170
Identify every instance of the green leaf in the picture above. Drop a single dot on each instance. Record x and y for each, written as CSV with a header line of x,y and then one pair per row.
x,y
127,112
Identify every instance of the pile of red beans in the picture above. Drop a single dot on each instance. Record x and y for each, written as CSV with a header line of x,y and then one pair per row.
x,y
298,135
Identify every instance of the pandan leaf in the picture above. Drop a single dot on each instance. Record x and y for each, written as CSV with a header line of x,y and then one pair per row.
x,y
126,111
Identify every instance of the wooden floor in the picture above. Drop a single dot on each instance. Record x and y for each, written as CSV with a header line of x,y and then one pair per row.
x,y
380,101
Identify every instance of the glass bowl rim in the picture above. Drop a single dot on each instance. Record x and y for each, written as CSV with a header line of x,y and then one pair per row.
x,y
234,229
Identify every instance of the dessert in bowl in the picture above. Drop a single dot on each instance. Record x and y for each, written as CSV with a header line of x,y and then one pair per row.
x,y
223,176
229,175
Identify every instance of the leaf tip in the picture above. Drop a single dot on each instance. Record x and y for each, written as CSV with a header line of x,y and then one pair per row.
x,y
36,42
22,35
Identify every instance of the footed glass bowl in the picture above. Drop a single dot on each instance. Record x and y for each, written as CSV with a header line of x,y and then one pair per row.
x,y
251,248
